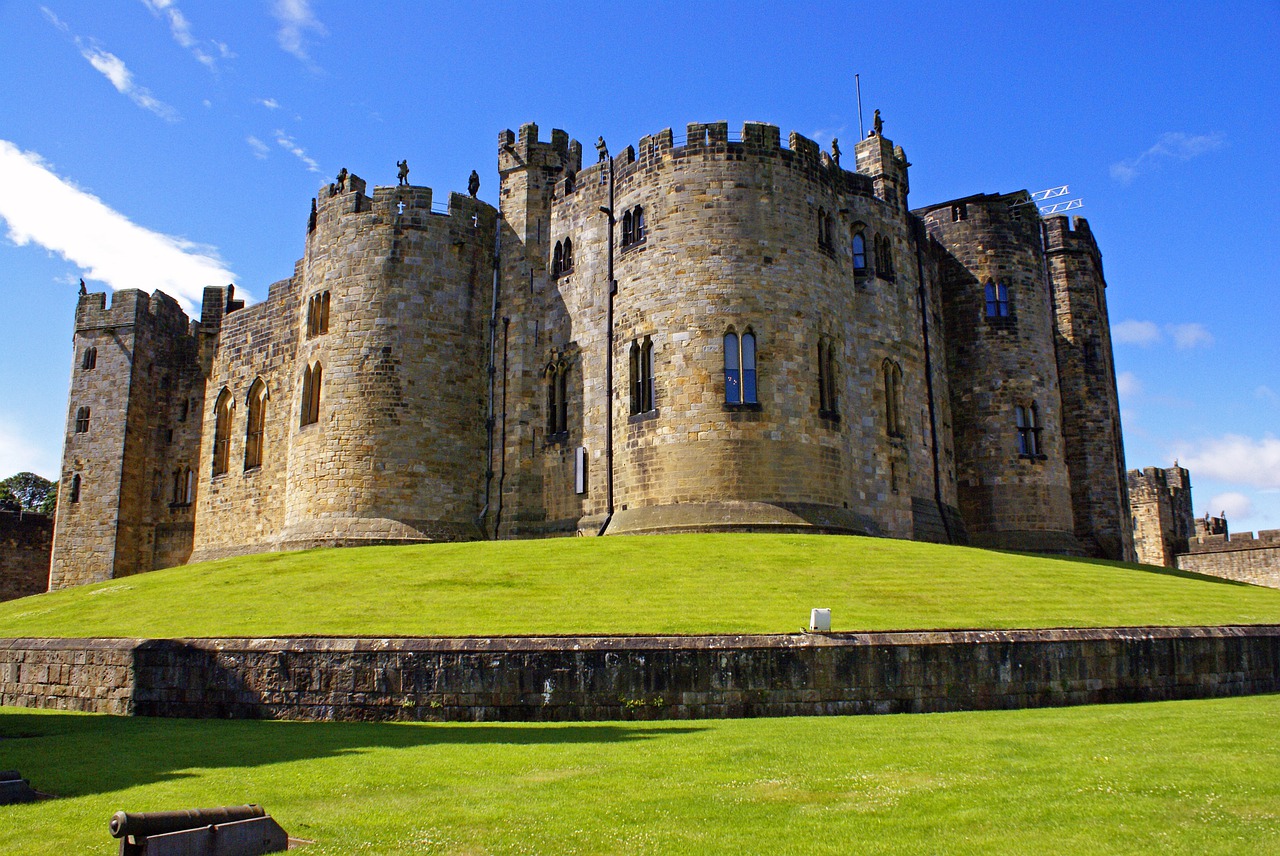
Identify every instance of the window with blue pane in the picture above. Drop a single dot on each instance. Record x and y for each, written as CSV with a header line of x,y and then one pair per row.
x,y
740,368
997,300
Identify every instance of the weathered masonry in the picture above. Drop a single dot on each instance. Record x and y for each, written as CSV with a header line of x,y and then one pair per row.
x,y
706,331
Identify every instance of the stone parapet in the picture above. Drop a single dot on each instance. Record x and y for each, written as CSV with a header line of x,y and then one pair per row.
x,y
645,677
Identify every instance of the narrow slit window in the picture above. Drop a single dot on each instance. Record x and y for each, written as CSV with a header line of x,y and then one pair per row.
x,y
859,253
90,360
255,426
222,433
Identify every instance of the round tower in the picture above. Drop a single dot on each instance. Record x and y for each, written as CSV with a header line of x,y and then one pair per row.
x,y
1014,489
388,434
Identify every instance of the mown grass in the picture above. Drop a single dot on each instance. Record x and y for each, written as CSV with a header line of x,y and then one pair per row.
x,y
660,584
1184,777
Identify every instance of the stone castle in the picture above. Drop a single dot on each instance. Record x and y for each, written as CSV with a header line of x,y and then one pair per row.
x,y
703,332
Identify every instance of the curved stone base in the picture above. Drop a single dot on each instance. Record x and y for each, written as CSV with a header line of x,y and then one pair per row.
x,y
740,516
347,532
1029,541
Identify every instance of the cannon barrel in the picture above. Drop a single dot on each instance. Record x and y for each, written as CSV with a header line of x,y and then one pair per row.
x,y
10,776
144,823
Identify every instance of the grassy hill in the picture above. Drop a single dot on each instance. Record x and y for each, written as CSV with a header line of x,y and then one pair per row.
x,y
651,585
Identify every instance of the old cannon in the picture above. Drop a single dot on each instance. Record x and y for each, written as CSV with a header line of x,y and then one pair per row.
x,y
15,789
237,830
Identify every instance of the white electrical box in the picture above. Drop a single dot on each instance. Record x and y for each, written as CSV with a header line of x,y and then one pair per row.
x,y
820,621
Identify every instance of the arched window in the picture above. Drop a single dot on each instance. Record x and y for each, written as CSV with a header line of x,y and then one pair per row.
x,y
884,256
221,433
191,486
557,374
318,314
824,229
637,219
568,255
859,253
893,398
82,420
179,486
75,488
1027,421
997,295
254,429
628,230
310,407
90,360
740,368
557,260
642,376
826,377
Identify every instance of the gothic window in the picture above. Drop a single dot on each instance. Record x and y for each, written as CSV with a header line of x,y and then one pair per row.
x,y
90,360
179,486
884,257
221,433
824,229
557,260
309,412
75,488
740,368
191,486
642,376
82,420
633,229
557,398
568,255
1027,421
859,253
254,430
318,314
997,295
182,410
826,378
893,398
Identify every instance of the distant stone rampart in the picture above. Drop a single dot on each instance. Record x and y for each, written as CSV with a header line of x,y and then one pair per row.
x,y
1240,556
26,542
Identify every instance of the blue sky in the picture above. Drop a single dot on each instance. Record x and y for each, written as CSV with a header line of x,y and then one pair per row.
x,y
174,144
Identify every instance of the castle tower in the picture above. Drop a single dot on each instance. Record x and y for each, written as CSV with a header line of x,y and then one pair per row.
x,y
538,350
1014,486
132,432
1163,521
1090,403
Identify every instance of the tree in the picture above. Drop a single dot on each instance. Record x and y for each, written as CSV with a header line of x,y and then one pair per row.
x,y
9,502
29,489
50,504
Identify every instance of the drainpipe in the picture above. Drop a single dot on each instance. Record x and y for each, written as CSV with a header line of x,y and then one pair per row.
x,y
489,422
917,229
608,365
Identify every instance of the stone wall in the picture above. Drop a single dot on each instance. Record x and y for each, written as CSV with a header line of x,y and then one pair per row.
x,y
1160,503
637,678
26,542
1240,557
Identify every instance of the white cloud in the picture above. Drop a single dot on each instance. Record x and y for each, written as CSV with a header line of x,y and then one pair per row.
x,y
1235,458
1135,333
1187,336
296,18
260,149
20,453
1128,385
42,208
1233,505
113,69
287,143
269,103
1172,147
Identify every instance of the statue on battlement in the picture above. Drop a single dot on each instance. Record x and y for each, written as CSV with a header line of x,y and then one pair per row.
x,y
878,125
835,150
403,175
601,149
342,180
83,290
473,183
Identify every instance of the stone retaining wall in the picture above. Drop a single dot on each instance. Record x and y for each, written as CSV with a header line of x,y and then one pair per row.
x,y
581,678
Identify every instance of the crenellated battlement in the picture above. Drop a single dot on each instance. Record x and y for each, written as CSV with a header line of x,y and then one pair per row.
x,y
1069,234
1266,538
128,307
525,150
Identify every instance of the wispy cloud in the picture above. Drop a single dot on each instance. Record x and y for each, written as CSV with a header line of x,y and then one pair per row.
x,y
1234,458
291,146
1128,385
269,103
1233,504
296,19
1146,333
260,149
43,208
1135,333
113,69
1174,147
1187,336
180,29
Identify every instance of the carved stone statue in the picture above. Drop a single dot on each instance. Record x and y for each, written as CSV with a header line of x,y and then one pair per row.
x,y
342,180
473,183
83,290
601,149
835,150
404,172
878,124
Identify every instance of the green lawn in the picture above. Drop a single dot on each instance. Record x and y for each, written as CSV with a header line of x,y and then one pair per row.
x,y
658,584
1175,777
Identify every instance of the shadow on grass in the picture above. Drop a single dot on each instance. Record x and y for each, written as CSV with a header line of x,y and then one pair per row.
x,y
75,755
1132,566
